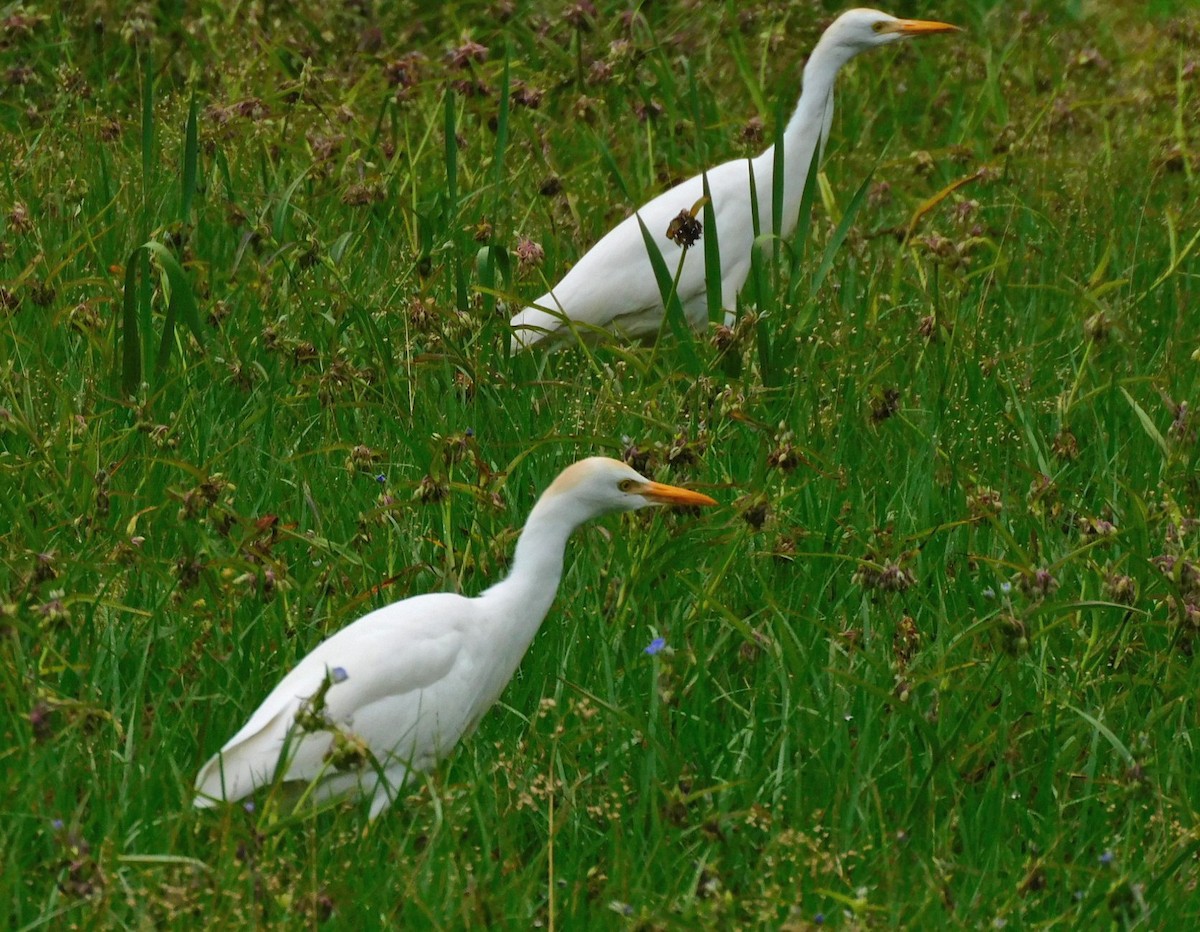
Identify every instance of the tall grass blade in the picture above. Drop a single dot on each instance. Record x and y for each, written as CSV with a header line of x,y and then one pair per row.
x,y
128,358
675,318
451,157
804,217
502,123
839,235
614,169
712,259
283,210
1147,424
134,339
191,161
147,128
778,179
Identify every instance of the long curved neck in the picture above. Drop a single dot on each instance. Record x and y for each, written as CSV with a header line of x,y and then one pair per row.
x,y
804,136
526,594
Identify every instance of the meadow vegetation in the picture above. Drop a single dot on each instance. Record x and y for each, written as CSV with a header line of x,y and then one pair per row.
x,y
931,665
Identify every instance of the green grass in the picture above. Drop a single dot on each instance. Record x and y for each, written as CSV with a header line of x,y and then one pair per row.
x,y
933,663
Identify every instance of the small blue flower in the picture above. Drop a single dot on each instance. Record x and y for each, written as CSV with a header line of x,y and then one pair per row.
x,y
338,675
381,478
1107,858
655,646
1006,587
248,805
57,825
819,919
989,593
469,432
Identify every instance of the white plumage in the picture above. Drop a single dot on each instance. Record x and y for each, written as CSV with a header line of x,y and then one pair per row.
x,y
613,287
409,680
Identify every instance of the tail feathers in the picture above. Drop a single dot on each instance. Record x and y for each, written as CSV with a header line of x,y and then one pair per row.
x,y
381,788
533,325
250,761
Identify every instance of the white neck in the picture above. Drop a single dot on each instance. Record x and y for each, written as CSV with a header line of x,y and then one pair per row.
x,y
524,596
804,136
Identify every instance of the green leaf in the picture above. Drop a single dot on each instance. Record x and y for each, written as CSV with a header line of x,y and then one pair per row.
x,y
284,208
191,159
133,339
147,126
1147,424
128,349
181,289
666,287
712,258
451,133
614,169
502,121
778,173
804,218
839,235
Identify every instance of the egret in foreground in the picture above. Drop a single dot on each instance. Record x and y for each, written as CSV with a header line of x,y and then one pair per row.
x,y
613,286
409,680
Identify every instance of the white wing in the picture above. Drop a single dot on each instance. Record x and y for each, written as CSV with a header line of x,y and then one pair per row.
x,y
407,695
613,285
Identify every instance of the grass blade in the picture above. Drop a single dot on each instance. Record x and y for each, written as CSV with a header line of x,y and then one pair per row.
x,y
614,169
451,158
674,316
134,339
778,178
804,217
283,209
191,159
502,123
1147,424
712,259
181,289
128,355
839,235
147,128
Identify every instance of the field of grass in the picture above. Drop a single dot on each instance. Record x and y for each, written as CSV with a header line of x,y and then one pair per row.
x,y
930,665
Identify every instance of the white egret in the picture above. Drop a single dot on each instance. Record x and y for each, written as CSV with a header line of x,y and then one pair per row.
x,y
409,680
613,286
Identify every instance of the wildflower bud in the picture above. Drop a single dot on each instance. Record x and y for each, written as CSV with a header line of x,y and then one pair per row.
x,y
1038,584
1120,588
685,230
529,254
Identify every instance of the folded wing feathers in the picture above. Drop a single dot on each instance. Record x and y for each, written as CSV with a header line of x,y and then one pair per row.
x,y
395,651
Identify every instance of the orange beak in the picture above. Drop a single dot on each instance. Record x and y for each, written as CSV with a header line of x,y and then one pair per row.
x,y
662,494
918,27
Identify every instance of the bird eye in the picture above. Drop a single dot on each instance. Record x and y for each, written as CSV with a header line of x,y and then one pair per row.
x,y
627,485
877,26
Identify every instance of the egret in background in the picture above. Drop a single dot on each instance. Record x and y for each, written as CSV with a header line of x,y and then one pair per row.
x,y
393,692
613,286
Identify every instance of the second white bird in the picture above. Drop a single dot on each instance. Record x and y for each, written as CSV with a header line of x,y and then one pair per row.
x,y
613,287
409,680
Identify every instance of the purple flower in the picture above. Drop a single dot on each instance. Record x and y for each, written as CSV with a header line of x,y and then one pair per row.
x,y
248,805
655,646
338,675
1107,858
57,825
381,478
819,919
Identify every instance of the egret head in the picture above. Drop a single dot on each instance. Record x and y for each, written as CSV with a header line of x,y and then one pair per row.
x,y
602,485
862,29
